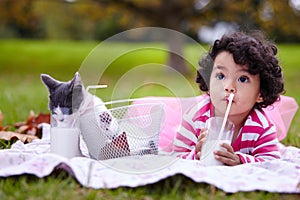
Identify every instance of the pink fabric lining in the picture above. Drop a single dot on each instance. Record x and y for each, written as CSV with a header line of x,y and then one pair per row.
x,y
280,113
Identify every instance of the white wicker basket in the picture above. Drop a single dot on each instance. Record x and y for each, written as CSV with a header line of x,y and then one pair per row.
x,y
127,128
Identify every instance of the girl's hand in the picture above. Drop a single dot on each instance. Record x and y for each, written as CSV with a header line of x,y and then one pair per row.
x,y
200,141
228,157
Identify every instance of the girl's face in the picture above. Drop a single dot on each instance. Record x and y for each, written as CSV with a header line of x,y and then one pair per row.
x,y
228,77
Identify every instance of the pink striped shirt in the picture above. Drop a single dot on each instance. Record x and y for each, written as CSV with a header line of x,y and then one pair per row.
x,y
256,142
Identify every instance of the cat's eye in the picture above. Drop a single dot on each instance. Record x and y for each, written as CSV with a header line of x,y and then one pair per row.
x,y
66,111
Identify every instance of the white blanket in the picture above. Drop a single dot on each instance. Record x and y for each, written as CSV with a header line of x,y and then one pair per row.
x,y
34,158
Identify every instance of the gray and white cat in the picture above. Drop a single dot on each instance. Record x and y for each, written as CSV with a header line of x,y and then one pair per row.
x,y
65,99
68,100
72,106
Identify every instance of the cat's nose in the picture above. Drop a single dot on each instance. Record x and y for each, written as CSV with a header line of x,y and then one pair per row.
x,y
61,119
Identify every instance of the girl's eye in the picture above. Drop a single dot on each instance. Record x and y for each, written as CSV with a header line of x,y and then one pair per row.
x,y
244,79
220,76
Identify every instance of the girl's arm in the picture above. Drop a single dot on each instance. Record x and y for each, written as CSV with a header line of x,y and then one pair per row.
x,y
185,142
263,149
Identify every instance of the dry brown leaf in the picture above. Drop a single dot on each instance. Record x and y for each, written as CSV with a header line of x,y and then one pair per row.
x,y
30,127
8,135
2,128
25,131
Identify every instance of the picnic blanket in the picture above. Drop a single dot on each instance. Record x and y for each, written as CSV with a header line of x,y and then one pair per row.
x,y
35,158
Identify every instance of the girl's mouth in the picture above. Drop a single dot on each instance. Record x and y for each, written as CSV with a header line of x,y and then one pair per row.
x,y
227,99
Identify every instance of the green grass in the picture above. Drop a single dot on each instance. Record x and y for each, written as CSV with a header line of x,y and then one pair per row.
x,y
288,55
128,76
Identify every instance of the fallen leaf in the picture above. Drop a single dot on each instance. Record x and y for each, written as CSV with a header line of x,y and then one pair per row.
x,y
26,131
8,135
31,126
2,128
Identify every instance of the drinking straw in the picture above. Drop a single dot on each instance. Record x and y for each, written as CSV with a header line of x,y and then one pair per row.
x,y
230,99
95,87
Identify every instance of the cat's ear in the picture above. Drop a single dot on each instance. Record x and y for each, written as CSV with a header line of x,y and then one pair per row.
x,y
77,79
49,82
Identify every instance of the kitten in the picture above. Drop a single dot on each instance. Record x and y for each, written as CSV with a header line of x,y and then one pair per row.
x,y
65,99
72,106
68,100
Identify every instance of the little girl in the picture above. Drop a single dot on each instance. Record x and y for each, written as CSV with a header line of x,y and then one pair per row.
x,y
247,66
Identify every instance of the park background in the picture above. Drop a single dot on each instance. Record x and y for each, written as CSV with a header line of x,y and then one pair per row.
x,y
55,37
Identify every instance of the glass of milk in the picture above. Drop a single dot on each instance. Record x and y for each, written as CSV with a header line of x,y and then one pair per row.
x,y
65,142
214,139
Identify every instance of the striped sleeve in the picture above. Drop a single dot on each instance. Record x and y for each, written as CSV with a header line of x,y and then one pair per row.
x,y
187,133
258,141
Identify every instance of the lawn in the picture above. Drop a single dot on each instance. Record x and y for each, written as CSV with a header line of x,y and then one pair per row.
x,y
134,74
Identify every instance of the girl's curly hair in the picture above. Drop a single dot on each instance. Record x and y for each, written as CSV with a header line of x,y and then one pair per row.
x,y
254,52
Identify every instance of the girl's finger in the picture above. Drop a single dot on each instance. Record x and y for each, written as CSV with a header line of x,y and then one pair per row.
x,y
203,134
227,147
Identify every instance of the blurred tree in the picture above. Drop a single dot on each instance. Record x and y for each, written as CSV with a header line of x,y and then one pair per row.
x,y
189,15
278,19
88,19
281,20
171,14
19,16
100,19
77,20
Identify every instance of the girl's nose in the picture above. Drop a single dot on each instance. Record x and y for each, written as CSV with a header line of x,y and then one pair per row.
x,y
229,87
231,90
